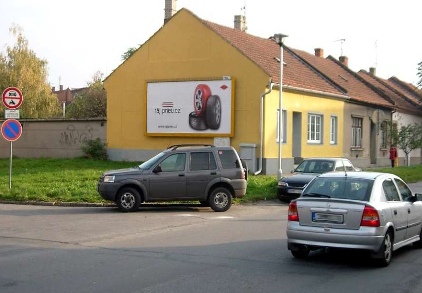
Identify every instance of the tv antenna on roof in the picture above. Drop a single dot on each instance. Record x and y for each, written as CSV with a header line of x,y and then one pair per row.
x,y
244,9
341,45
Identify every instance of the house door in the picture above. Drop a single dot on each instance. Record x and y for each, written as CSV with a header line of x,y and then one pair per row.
x,y
372,143
297,137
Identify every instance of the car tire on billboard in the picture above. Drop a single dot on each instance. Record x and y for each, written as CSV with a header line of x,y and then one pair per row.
x,y
213,112
197,122
202,93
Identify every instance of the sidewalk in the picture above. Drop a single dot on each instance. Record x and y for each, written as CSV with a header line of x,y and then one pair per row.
x,y
416,187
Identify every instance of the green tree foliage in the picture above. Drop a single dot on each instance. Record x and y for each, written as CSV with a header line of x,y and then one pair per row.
x,y
129,53
94,149
93,103
408,138
20,67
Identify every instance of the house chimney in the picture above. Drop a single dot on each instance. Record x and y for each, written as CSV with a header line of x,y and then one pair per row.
x,y
169,10
373,70
344,60
53,89
240,23
319,52
61,87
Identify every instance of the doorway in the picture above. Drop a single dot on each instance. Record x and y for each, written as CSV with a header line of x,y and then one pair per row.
x,y
373,142
297,137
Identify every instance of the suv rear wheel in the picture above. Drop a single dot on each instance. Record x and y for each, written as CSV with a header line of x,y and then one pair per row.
x,y
220,199
128,200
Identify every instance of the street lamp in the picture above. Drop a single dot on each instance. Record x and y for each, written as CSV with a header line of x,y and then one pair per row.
x,y
279,39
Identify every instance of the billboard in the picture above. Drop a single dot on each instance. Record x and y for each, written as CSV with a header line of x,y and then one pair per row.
x,y
190,108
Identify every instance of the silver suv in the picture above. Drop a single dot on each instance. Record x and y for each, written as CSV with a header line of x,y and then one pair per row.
x,y
205,173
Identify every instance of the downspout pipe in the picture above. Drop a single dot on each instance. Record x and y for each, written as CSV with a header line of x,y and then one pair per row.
x,y
270,88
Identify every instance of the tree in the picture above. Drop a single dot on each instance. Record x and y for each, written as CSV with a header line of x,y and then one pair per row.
x,y
20,67
93,103
420,75
408,138
129,53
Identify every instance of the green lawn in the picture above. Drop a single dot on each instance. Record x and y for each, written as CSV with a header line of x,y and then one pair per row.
x,y
75,180
408,174
70,180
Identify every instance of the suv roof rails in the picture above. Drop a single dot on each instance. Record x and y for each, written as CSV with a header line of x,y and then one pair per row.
x,y
176,146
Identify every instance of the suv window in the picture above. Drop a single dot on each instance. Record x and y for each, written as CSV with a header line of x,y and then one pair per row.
x,y
202,161
390,190
228,159
174,163
404,190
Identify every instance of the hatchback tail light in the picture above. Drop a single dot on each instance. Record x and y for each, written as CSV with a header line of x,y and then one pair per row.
x,y
370,217
293,214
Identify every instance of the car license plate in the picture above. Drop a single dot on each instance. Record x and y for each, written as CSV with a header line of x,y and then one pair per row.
x,y
327,218
299,191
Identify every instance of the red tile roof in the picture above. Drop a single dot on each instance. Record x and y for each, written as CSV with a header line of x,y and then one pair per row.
x,y
345,78
400,101
403,88
264,52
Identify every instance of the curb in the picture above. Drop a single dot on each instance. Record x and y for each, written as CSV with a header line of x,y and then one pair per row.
x,y
59,204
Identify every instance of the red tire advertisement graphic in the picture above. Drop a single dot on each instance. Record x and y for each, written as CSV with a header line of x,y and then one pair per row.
x,y
202,93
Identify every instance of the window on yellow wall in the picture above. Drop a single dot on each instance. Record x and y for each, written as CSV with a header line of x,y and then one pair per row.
x,y
284,133
314,128
357,132
333,130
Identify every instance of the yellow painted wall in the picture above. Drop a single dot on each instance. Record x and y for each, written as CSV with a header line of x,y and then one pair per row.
x,y
183,49
297,102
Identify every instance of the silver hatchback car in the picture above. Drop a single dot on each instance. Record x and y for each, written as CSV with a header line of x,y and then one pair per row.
x,y
357,210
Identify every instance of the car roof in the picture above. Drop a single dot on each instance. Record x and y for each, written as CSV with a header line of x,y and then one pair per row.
x,y
324,159
360,175
198,148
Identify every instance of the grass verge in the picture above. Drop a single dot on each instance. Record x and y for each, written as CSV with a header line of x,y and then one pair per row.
x,y
408,174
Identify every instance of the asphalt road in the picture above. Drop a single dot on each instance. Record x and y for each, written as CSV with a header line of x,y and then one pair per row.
x,y
179,249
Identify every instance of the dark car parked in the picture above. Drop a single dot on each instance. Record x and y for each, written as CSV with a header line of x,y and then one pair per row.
x,y
291,187
205,173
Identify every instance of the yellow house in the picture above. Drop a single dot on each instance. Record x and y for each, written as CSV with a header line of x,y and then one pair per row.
x,y
188,48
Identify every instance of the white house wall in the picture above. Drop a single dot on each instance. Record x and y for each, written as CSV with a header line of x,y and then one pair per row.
x,y
403,119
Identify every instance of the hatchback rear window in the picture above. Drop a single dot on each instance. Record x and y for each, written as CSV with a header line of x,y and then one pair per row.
x,y
228,159
342,188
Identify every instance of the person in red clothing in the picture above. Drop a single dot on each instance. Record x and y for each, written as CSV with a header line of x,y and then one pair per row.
x,y
393,156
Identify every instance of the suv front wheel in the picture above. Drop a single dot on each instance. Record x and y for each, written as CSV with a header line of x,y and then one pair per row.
x,y
220,199
128,200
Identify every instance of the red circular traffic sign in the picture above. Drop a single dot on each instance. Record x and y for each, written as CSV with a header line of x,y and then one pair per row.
x,y
12,98
11,129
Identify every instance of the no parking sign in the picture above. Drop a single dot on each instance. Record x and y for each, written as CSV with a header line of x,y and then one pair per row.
x,y
11,129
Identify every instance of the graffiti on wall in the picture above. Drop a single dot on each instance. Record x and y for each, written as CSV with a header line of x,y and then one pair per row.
x,y
73,136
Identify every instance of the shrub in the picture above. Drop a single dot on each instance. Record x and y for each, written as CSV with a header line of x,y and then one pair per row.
x,y
94,149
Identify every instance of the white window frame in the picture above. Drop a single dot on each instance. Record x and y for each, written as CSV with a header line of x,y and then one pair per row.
x,y
333,129
357,131
315,128
284,133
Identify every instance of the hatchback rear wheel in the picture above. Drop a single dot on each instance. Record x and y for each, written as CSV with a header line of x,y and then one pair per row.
x,y
386,250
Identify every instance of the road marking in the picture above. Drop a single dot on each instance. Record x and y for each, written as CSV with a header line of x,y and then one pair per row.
x,y
222,217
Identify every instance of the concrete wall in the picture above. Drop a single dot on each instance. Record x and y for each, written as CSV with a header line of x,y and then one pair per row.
x,y
56,138
403,119
361,157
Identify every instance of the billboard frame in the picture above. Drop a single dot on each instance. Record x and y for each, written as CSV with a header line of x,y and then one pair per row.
x,y
231,134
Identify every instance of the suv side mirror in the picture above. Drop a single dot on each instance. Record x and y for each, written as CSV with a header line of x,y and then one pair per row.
x,y
292,171
157,169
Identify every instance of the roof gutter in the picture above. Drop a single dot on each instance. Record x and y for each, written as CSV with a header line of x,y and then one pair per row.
x,y
270,88
314,92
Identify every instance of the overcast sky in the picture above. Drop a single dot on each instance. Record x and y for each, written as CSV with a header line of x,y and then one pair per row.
x,y
80,37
